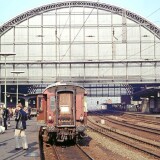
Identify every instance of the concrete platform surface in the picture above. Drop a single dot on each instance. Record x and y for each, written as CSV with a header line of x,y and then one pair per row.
x,y
7,143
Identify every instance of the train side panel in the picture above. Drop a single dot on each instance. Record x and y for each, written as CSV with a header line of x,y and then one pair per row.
x,y
79,106
41,109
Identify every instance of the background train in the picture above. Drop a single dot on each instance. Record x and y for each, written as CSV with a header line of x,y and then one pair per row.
x,y
62,112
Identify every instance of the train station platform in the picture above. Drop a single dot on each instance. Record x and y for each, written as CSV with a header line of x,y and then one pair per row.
x,y
7,143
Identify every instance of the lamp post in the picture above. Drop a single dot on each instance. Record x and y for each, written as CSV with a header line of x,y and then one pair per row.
x,y
17,72
5,57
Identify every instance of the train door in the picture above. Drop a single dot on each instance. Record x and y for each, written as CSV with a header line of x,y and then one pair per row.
x,y
41,108
65,108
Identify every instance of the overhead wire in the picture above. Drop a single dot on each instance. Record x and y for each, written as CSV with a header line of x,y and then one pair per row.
x,y
59,39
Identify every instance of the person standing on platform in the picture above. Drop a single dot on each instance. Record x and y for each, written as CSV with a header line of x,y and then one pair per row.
x,y
21,118
5,115
1,113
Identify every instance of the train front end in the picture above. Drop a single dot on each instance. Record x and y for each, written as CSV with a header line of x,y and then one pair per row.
x,y
65,113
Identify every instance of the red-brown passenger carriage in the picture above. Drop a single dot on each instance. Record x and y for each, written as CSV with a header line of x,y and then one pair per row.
x,y
62,112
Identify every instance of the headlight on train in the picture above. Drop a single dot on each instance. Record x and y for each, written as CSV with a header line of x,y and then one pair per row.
x,y
81,118
50,119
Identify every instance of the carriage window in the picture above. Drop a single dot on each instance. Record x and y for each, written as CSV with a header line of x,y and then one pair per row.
x,y
52,102
64,109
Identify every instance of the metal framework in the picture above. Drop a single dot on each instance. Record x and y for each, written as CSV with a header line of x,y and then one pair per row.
x,y
102,6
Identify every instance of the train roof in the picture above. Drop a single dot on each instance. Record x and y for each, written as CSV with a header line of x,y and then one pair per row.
x,y
63,84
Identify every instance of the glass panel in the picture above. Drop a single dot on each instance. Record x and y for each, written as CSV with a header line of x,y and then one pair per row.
x,y
119,70
23,68
7,48
91,34
117,34
104,19
48,35
35,35
147,50
77,10
157,71
35,72
146,35
130,22
105,51
134,69
105,70
117,19
91,51
49,72
21,52
48,20
76,20
105,34
77,70
49,52
133,34
21,35
77,54
133,51
7,37
35,52
148,69
35,20
64,36
64,70
90,19
63,20
23,24
120,51
76,35
64,52
157,50
91,70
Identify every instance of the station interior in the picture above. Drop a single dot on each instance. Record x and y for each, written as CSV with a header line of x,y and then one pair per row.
x,y
110,51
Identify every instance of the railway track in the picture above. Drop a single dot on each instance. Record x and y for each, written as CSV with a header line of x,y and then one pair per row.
x,y
143,118
62,151
136,123
138,143
130,124
71,152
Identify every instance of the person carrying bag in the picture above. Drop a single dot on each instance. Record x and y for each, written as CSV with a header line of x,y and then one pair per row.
x,y
21,118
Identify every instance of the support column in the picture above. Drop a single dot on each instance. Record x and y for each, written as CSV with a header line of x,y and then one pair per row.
x,y
26,101
145,105
0,92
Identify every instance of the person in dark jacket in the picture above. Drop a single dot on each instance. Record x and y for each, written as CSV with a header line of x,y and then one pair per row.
x,y
5,115
21,118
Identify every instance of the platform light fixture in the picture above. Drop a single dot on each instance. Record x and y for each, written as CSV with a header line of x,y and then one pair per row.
x,y
5,55
17,72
